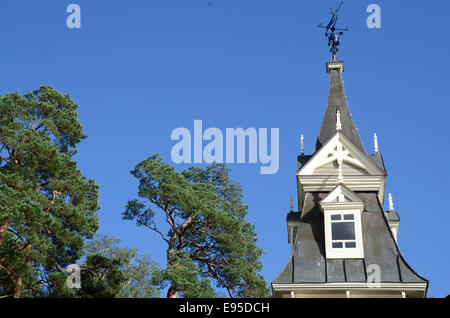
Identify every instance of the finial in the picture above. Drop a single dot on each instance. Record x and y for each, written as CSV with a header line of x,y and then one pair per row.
x,y
338,121
340,174
291,205
375,142
302,148
391,204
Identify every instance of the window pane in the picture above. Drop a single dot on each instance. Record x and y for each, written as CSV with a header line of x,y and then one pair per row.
x,y
337,245
335,217
348,217
343,231
350,244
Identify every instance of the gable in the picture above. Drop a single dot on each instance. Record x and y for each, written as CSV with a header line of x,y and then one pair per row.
x,y
341,194
348,169
340,149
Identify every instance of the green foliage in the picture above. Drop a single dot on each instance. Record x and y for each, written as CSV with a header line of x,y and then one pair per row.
x,y
184,277
137,269
208,237
101,277
47,208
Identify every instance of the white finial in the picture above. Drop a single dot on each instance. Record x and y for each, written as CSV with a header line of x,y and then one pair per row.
x,y
340,175
391,204
338,121
375,142
291,205
302,149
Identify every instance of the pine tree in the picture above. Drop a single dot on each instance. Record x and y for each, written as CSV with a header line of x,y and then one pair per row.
x,y
208,238
47,208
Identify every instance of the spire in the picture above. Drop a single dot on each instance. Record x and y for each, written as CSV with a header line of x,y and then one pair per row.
x,y
337,102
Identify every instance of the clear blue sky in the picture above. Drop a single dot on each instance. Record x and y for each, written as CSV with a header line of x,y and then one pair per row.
x,y
141,68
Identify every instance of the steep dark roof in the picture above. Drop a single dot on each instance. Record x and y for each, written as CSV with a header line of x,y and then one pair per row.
x,y
302,160
391,216
377,158
337,101
293,216
308,263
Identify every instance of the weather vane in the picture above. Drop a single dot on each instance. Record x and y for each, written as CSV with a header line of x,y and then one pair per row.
x,y
333,36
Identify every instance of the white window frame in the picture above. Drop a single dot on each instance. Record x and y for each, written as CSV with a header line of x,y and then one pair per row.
x,y
343,252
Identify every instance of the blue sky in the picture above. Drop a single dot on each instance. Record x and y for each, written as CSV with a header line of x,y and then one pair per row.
x,y
139,69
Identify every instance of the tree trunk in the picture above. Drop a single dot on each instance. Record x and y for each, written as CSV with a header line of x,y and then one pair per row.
x,y
172,293
18,289
19,283
3,230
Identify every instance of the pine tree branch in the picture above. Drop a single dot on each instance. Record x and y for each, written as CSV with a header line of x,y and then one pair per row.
x,y
6,160
188,222
17,234
35,122
53,200
154,228
213,273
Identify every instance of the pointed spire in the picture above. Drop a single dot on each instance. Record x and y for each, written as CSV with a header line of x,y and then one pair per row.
x,y
291,205
302,148
391,204
375,142
338,121
337,101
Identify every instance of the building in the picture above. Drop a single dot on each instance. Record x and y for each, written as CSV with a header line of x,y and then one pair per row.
x,y
343,243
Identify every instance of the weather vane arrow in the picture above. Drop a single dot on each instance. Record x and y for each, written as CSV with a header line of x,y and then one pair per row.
x,y
333,36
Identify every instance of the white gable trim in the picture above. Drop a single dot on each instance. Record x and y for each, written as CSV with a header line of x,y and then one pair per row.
x,y
339,148
342,198
342,194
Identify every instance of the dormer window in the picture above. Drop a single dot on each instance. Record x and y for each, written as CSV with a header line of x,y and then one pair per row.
x,y
343,230
342,210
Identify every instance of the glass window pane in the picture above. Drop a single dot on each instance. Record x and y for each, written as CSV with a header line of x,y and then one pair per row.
x,y
350,244
348,217
336,217
337,245
343,231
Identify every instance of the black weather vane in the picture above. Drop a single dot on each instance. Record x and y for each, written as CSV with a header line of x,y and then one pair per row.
x,y
333,36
